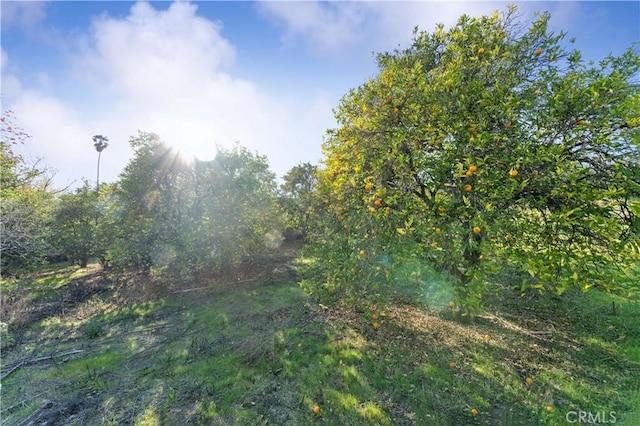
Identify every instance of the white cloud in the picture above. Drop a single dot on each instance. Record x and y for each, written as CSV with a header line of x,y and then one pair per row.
x,y
168,72
326,26
313,124
330,27
56,129
151,48
362,27
22,14
11,86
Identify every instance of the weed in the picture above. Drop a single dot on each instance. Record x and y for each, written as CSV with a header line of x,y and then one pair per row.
x,y
92,330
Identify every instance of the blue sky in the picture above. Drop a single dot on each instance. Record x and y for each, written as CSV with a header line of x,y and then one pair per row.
x,y
264,74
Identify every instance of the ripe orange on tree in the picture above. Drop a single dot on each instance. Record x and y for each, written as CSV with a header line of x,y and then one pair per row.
x,y
474,411
529,380
473,168
468,188
481,51
316,409
477,230
378,202
452,364
539,52
368,186
376,325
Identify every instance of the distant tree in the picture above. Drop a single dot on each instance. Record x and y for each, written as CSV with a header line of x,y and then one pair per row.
x,y
25,201
73,225
187,218
106,234
100,143
479,147
233,208
145,228
297,195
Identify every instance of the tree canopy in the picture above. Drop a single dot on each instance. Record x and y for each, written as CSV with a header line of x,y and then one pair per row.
x,y
24,203
478,148
189,217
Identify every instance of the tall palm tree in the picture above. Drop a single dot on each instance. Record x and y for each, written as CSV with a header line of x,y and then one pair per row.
x,y
100,142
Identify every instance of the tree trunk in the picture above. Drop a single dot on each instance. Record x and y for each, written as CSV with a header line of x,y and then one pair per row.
x,y
98,173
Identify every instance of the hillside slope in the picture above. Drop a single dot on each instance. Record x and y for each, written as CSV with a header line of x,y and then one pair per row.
x,y
248,347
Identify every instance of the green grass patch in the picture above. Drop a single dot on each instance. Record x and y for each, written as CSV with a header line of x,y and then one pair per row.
x,y
263,353
92,365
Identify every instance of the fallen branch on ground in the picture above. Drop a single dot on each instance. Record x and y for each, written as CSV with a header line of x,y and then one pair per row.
x,y
28,361
46,404
22,403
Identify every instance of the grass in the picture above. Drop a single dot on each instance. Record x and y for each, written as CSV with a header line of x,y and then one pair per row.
x,y
250,348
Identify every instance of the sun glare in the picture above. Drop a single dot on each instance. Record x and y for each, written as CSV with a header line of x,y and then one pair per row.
x,y
192,151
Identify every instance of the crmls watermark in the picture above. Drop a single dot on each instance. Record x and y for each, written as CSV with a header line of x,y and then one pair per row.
x,y
591,418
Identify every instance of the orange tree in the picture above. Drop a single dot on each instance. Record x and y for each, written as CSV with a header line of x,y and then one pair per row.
x,y
296,195
484,146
